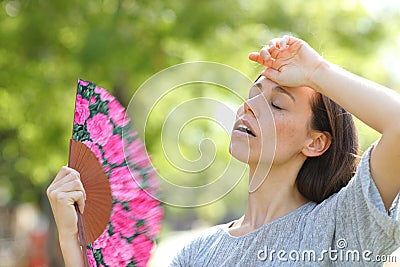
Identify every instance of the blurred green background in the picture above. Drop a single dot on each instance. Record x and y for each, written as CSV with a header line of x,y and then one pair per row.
x,y
45,46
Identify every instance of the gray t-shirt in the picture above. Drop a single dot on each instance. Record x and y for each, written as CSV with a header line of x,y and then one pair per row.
x,y
350,228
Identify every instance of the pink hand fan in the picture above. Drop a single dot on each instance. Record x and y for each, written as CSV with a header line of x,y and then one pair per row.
x,y
121,219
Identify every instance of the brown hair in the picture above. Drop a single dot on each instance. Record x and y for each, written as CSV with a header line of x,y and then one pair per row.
x,y
322,176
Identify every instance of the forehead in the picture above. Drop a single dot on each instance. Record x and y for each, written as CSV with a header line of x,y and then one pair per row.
x,y
301,93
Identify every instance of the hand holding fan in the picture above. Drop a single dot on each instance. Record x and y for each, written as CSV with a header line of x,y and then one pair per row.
x,y
98,194
120,220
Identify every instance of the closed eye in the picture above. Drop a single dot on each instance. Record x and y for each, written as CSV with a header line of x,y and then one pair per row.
x,y
276,107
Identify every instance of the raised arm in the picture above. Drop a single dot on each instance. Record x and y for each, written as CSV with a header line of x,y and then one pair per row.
x,y
292,62
63,192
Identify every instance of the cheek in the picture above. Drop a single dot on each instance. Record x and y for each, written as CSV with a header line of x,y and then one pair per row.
x,y
291,135
286,132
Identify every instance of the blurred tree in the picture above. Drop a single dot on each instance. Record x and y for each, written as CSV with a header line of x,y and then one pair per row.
x,y
46,45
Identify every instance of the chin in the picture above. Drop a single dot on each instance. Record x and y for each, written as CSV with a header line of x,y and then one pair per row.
x,y
245,153
240,152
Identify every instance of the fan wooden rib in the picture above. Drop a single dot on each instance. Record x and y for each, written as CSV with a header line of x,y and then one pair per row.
x,y
98,202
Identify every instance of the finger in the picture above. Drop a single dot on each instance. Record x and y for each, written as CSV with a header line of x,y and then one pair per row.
x,y
70,182
295,47
80,200
72,176
76,185
282,44
63,176
255,56
271,74
72,186
64,171
286,37
264,53
274,48
290,40
294,43
274,43
69,198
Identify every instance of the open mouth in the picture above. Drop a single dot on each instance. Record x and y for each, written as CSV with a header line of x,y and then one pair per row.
x,y
245,129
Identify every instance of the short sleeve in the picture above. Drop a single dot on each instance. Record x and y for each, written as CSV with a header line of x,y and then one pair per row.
x,y
186,255
361,213
180,259
197,247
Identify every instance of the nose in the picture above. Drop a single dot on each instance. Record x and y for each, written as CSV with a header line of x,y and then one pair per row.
x,y
247,109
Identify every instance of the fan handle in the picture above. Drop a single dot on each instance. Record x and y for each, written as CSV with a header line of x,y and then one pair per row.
x,y
82,237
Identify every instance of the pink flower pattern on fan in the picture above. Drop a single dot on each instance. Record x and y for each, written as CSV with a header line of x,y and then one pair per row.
x,y
122,184
117,113
135,219
113,148
120,219
99,128
138,152
83,83
104,94
101,241
92,100
140,248
116,257
91,260
140,209
81,110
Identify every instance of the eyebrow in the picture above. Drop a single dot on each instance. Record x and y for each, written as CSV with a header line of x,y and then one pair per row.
x,y
284,91
258,84
277,89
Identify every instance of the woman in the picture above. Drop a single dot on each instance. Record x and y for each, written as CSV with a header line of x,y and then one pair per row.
x,y
302,212
301,207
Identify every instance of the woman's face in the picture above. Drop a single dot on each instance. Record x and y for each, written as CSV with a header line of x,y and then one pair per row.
x,y
273,124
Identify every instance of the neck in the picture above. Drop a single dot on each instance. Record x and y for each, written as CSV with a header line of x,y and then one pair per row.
x,y
275,197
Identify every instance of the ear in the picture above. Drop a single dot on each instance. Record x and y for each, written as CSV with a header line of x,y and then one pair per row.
x,y
317,144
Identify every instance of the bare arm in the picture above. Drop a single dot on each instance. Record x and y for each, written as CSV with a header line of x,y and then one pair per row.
x,y
292,62
64,191
71,251
379,108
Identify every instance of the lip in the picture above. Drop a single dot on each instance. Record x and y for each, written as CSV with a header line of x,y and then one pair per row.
x,y
245,123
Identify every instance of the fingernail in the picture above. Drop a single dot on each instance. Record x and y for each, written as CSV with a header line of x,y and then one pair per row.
x,y
271,44
265,54
282,45
286,38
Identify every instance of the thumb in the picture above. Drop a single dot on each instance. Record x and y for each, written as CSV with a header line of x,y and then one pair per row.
x,y
271,74
81,205
78,199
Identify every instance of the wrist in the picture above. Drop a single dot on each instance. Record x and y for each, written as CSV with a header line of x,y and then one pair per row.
x,y
316,77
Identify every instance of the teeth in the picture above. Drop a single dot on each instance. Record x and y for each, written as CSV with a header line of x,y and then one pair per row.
x,y
244,128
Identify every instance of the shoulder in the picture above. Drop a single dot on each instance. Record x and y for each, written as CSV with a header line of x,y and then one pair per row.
x,y
198,245
208,235
358,211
